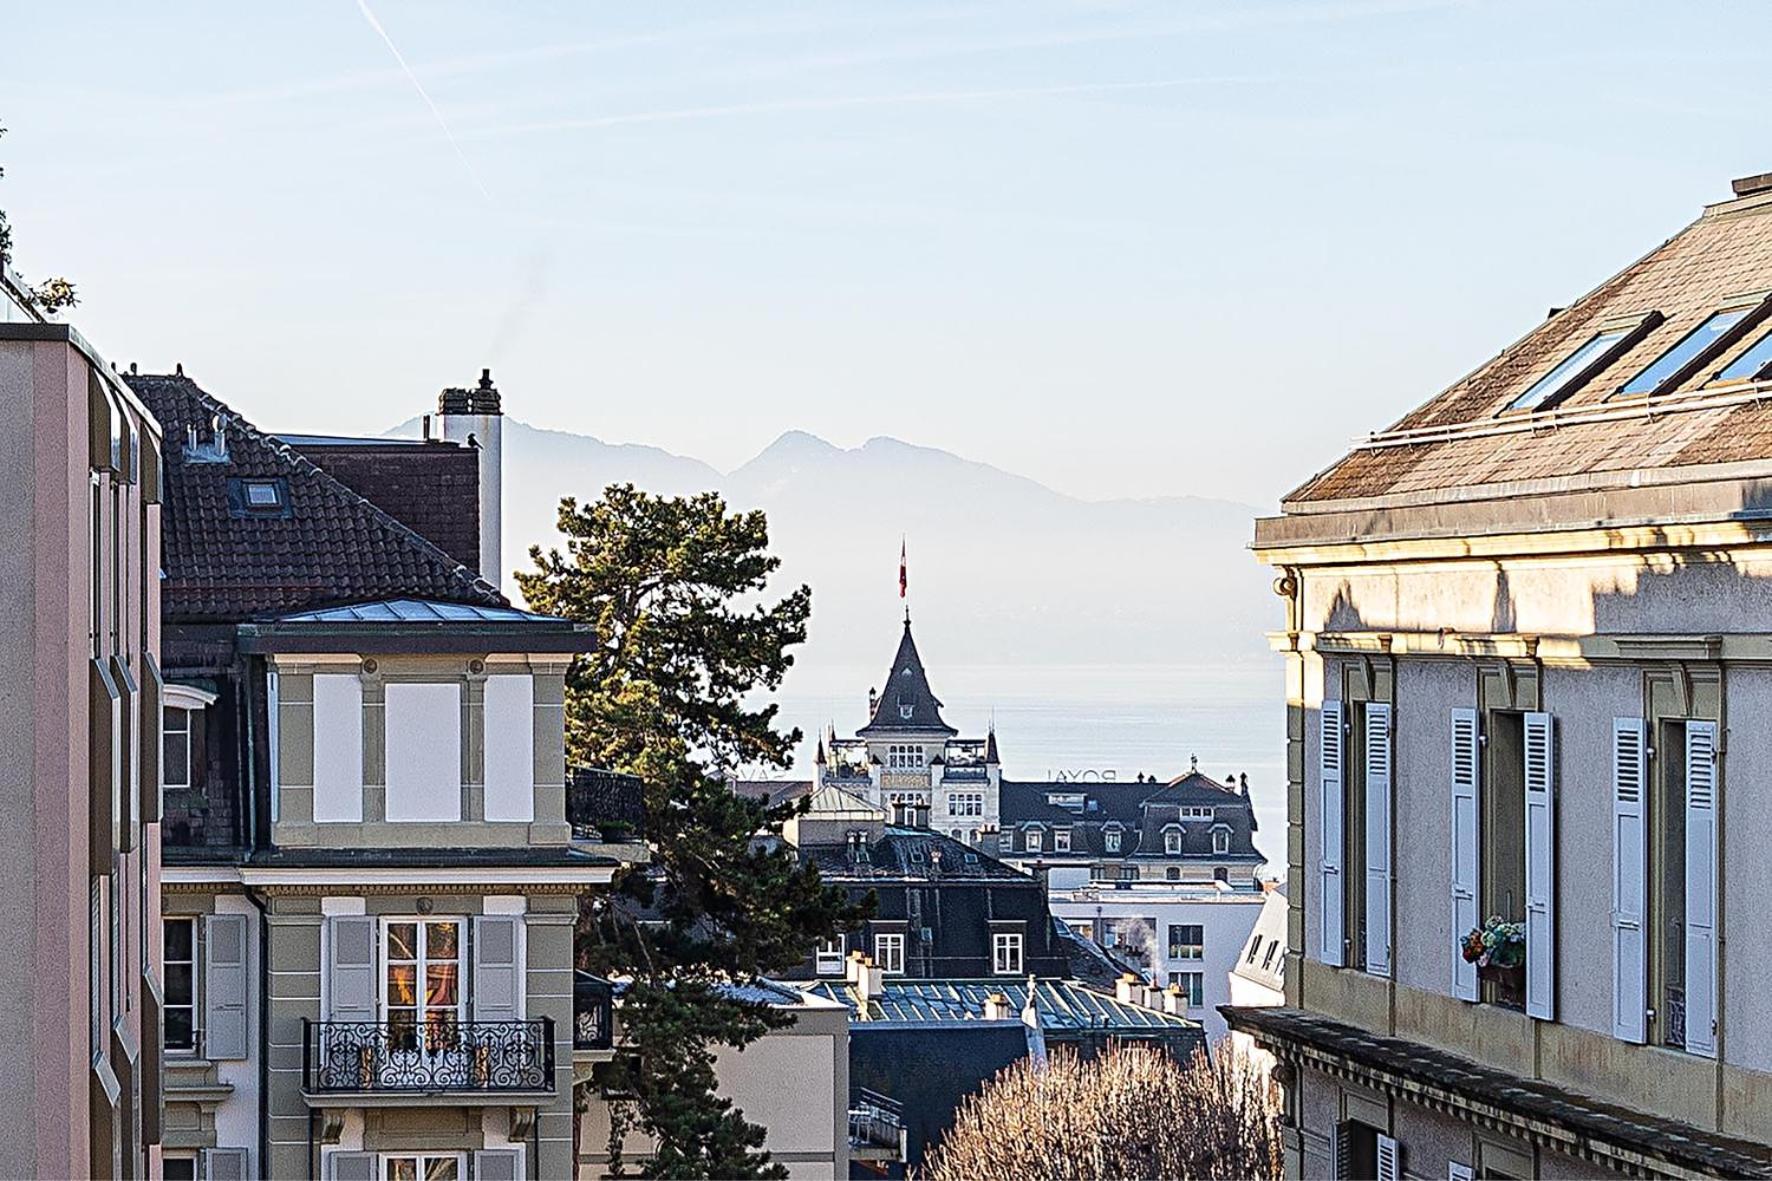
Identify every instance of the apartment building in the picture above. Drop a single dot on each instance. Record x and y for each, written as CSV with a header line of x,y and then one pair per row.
x,y
79,757
372,884
1528,655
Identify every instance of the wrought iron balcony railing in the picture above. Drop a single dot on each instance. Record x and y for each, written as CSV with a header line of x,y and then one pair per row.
x,y
466,1056
593,1012
876,1123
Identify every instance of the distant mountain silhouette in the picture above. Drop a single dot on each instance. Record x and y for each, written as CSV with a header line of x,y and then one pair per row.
x,y
1003,570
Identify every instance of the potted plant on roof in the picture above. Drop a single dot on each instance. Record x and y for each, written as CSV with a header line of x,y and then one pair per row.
x,y
1498,948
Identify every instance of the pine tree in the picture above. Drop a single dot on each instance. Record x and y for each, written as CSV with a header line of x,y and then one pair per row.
x,y
674,588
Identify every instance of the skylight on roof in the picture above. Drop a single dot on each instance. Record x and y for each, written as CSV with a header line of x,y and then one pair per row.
x,y
1550,387
1690,346
263,494
1751,364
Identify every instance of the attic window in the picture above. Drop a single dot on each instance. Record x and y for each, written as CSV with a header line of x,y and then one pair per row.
x,y
1674,366
258,497
1751,365
263,494
905,711
1584,364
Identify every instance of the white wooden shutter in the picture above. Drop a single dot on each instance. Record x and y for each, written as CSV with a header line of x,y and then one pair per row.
x,y
224,1164
498,1164
1330,761
1466,849
1541,866
497,968
350,969
1630,853
1390,1159
351,1166
1701,888
1459,1172
1378,839
224,986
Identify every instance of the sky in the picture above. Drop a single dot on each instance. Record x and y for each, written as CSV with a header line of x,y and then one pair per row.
x,y
1124,249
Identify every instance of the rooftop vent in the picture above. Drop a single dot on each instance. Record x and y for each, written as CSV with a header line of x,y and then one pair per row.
x,y
1747,186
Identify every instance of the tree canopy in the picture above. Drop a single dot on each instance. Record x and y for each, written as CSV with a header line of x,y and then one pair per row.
x,y
687,640
51,295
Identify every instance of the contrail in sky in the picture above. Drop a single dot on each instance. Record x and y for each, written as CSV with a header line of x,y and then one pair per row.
x,y
363,6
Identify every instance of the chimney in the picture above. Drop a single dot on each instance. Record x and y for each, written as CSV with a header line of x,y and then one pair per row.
x,y
996,1008
476,418
1172,1002
870,981
1748,186
1126,989
854,966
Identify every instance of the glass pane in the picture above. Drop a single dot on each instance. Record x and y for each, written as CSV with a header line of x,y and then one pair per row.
x,y
402,985
1690,346
402,941
403,1168
178,941
440,941
442,985
179,1168
441,1168
1552,383
179,1034
175,768
174,720
402,1029
1749,363
178,984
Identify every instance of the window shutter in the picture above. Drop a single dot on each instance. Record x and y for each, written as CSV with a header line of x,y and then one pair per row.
x,y
350,969
1701,888
1390,1159
1541,866
1378,839
1341,1156
224,1164
224,986
1329,777
498,1164
1466,869
350,1166
1630,852
1459,1172
496,968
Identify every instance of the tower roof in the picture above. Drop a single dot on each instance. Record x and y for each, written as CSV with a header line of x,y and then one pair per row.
x,y
906,705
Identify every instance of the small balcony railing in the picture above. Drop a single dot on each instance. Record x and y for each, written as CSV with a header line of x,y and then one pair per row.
x,y
467,1056
876,1125
593,1012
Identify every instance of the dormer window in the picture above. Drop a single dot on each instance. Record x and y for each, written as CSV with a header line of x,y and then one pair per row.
x,y
1221,840
1172,841
1035,840
905,711
1110,840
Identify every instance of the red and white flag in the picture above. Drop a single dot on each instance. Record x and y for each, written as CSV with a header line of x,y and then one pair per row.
x,y
903,576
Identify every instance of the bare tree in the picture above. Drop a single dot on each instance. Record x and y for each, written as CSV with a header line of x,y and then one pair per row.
x,y
1131,1112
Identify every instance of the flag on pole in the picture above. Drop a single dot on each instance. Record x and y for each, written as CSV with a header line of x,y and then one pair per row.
x,y
903,576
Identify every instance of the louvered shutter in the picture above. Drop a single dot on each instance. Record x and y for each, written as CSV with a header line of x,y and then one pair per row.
x,y
497,1164
1333,901
1341,1155
1378,839
1466,867
1390,1159
224,986
497,969
1541,866
1630,853
224,1164
350,969
350,1166
1701,888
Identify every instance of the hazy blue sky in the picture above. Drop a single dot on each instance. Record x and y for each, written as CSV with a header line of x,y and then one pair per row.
x,y
1125,249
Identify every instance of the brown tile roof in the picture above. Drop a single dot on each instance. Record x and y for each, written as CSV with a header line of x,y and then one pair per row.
x,y
1465,439
326,546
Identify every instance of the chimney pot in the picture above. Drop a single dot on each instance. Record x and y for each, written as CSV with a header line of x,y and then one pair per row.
x,y
1747,186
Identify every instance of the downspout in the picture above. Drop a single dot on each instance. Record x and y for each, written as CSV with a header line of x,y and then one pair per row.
x,y
264,943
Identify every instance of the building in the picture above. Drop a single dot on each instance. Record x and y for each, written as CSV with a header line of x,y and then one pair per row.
x,y
945,909
372,885
80,476
793,1082
1191,829
1258,975
1526,639
919,1047
1176,934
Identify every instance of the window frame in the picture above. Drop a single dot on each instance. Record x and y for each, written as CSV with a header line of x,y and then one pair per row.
x,y
1172,841
1033,840
822,953
1181,947
891,965
1007,946
1221,841
1061,840
384,1162
1615,338
1751,315
195,1004
1110,839
1194,996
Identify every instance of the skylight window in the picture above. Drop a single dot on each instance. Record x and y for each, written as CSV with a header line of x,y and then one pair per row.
x,y
1563,380
1751,364
1691,346
263,494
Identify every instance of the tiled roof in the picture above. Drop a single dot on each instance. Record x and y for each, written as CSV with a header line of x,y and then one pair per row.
x,y
1061,1004
1466,440
906,704
326,547
428,485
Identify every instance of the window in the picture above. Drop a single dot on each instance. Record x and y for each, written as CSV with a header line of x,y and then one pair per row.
x,y
1006,954
263,494
1061,840
889,952
829,957
175,765
904,758
1503,804
1692,346
1565,378
421,983
1254,946
1110,840
905,711
1187,941
1172,841
1267,961
1193,987
1197,813
422,1166
1033,839
258,497
179,962
1173,873
179,1167
1221,840
1221,874
1751,365
966,803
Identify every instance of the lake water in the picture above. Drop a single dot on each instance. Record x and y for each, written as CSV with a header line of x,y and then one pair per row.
x,y
1054,719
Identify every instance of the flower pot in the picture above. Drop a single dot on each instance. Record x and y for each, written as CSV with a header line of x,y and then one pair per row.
x,y
1510,983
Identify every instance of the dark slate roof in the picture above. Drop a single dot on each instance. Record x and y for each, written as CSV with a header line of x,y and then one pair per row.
x,y
1141,809
772,791
909,853
429,485
1061,1004
906,685
326,547
1464,1083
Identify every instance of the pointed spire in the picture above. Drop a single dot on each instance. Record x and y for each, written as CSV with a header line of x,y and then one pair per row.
x,y
990,745
906,704
818,760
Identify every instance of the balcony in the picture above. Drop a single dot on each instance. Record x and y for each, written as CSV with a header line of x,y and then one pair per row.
x,y
876,1127
470,1059
593,1012
605,806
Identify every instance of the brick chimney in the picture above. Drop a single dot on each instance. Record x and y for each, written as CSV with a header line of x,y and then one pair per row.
x,y
475,418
